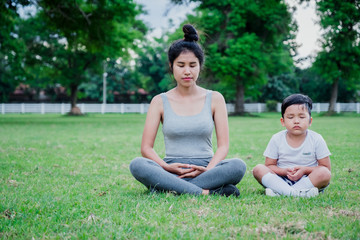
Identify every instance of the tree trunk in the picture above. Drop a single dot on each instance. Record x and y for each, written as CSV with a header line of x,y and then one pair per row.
x,y
240,99
334,95
73,99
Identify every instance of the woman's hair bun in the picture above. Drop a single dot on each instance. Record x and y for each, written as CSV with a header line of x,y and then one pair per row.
x,y
190,33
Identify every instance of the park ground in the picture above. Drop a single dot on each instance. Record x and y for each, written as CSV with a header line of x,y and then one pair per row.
x,y
67,177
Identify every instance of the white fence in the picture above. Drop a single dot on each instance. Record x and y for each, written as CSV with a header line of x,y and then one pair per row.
x,y
142,108
64,108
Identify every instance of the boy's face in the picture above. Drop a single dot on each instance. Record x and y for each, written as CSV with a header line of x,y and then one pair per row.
x,y
296,119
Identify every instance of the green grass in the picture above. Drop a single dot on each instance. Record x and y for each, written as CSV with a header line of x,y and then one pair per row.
x,y
68,178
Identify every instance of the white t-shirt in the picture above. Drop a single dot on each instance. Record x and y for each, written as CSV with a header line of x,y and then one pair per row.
x,y
313,148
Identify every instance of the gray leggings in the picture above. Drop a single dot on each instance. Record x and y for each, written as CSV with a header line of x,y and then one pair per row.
x,y
153,176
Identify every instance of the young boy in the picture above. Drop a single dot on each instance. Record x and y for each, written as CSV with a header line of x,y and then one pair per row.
x,y
297,161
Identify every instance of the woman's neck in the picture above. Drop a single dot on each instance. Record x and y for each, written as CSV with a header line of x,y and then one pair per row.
x,y
184,92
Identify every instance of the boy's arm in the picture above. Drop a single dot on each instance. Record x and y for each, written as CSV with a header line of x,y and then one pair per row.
x,y
325,162
300,171
272,164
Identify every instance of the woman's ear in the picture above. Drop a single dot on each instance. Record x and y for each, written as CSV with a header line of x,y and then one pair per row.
x,y
170,67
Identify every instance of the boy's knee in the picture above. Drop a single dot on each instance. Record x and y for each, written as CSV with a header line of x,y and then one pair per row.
x,y
258,169
324,173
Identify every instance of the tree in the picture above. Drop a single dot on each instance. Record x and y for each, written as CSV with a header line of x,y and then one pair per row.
x,y
279,87
313,84
12,47
149,72
123,83
75,37
340,56
244,39
152,65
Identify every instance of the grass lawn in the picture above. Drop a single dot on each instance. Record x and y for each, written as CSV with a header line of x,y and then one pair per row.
x,y
68,178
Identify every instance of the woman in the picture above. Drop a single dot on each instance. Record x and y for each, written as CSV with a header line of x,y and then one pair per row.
x,y
188,114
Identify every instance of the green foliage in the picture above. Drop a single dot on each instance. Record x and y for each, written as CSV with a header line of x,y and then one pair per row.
x,y
122,84
339,58
314,85
245,44
271,105
12,47
231,65
279,87
68,178
105,27
152,66
67,41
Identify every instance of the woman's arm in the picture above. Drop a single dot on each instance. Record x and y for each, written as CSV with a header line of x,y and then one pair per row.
x,y
151,127
221,128
152,123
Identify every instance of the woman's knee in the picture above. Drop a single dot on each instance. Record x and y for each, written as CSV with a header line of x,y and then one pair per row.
x,y
237,164
136,165
238,167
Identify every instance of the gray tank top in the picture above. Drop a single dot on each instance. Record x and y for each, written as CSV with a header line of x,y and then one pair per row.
x,y
188,136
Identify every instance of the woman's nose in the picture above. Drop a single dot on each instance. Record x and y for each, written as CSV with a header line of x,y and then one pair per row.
x,y
186,70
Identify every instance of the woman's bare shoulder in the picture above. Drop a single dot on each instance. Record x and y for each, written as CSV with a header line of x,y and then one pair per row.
x,y
217,97
156,99
156,104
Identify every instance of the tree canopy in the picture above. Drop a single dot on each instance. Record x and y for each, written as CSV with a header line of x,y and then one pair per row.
x,y
246,41
12,47
340,56
65,39
248,45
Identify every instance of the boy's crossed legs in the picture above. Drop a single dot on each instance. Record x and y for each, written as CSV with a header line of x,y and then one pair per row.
x,y
319,178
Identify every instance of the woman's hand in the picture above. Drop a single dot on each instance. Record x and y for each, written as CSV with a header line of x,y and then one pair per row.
x,y
178,168
196,171
185,170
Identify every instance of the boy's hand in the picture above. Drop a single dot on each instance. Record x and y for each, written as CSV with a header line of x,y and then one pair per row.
x,y
295,173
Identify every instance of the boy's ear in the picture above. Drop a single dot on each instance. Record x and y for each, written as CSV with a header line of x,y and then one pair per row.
x,y
282,122
310,121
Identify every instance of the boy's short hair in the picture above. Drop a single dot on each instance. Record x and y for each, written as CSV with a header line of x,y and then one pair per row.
x,y
296,99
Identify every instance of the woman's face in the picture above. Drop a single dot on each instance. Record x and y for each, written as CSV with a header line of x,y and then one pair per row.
x,y
186,69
